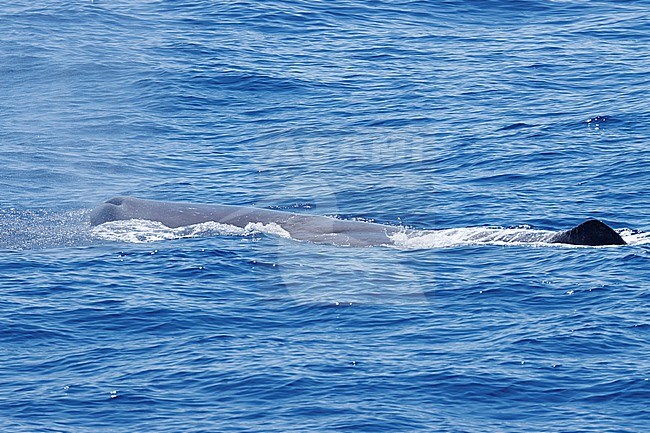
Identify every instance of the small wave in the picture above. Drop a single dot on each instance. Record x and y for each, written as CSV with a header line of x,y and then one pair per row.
x,y
596,120
634,237
143,231
271,229
470,236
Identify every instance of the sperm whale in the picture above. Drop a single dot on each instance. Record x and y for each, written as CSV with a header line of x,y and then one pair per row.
x,y
312,228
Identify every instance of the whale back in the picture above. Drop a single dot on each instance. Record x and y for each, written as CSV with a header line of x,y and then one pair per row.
x,y
592,232
170,214
313,228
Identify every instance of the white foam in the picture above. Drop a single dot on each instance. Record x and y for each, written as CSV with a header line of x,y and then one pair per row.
x,y
635,238
141,231
469,236
271,229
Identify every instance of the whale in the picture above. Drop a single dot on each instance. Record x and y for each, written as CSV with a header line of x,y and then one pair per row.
x,y
305,227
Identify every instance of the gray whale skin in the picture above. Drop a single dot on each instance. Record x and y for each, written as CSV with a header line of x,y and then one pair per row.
x,y
312,228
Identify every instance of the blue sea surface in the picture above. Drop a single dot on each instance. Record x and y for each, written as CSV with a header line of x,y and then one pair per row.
x,y
435,115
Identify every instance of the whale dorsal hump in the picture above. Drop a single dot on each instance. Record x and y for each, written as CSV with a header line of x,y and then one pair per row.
x,y
592,232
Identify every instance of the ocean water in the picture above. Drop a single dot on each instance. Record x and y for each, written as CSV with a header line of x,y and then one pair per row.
x,y
514,115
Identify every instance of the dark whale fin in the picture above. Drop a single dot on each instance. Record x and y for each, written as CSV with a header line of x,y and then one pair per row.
x,y
591,232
